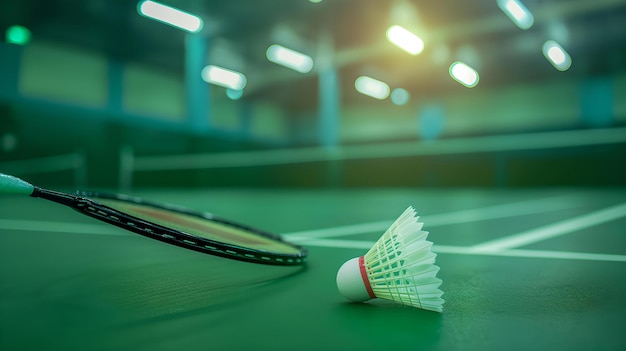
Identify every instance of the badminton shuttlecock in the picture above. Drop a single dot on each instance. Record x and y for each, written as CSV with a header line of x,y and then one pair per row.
x,y
399,267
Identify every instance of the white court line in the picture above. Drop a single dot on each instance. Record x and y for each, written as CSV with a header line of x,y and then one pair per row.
x,y
553,230
59,227
566,255
463,216
462,250
93,229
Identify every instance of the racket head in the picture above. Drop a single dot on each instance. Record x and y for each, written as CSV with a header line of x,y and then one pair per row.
x,y
198,231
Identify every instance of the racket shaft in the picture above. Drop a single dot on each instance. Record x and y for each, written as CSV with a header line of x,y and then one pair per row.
x,y
55,196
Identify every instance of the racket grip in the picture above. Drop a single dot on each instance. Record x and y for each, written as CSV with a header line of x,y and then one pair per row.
x,y
13,185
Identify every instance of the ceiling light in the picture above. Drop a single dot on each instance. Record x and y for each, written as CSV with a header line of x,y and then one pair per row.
x,y
289,58
517,12
405,40
464,74
170,15
558,57
224,77
372,87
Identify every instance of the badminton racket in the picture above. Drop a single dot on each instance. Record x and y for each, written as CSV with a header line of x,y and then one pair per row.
x,y
194,230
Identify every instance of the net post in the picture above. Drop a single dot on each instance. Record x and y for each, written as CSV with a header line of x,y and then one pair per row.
x,y
80,169
127,159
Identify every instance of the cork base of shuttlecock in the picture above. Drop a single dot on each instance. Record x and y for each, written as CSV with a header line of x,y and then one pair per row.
x,y
352,281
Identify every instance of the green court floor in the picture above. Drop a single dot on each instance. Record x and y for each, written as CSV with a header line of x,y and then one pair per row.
x,y
541,269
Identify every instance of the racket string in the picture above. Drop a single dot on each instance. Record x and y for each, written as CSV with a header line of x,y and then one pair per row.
x,y
113,219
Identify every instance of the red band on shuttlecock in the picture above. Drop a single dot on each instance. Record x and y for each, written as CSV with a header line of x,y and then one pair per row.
x,y
366,280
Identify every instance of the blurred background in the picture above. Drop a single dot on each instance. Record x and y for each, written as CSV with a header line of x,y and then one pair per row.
x,y
299,93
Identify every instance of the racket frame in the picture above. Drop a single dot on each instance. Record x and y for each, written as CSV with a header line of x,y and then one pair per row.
x,y
83,204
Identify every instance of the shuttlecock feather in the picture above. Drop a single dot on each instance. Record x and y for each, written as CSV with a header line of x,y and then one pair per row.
x,y
399,267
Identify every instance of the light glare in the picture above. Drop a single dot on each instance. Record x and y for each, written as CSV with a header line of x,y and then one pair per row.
x,y
464,74
405,40
289,58
372,87
558,57
171,16
517,12
19,35
399,96
223,77
234,94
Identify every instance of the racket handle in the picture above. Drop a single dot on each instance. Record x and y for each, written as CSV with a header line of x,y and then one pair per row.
x,y
13,185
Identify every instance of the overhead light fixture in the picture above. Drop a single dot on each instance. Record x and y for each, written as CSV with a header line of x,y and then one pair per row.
x,y
372,87
170,16
283,56
405,40
558,57
517,12
224,77
464,74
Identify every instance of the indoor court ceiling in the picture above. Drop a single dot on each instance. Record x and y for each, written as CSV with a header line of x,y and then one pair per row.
x,y
239,32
